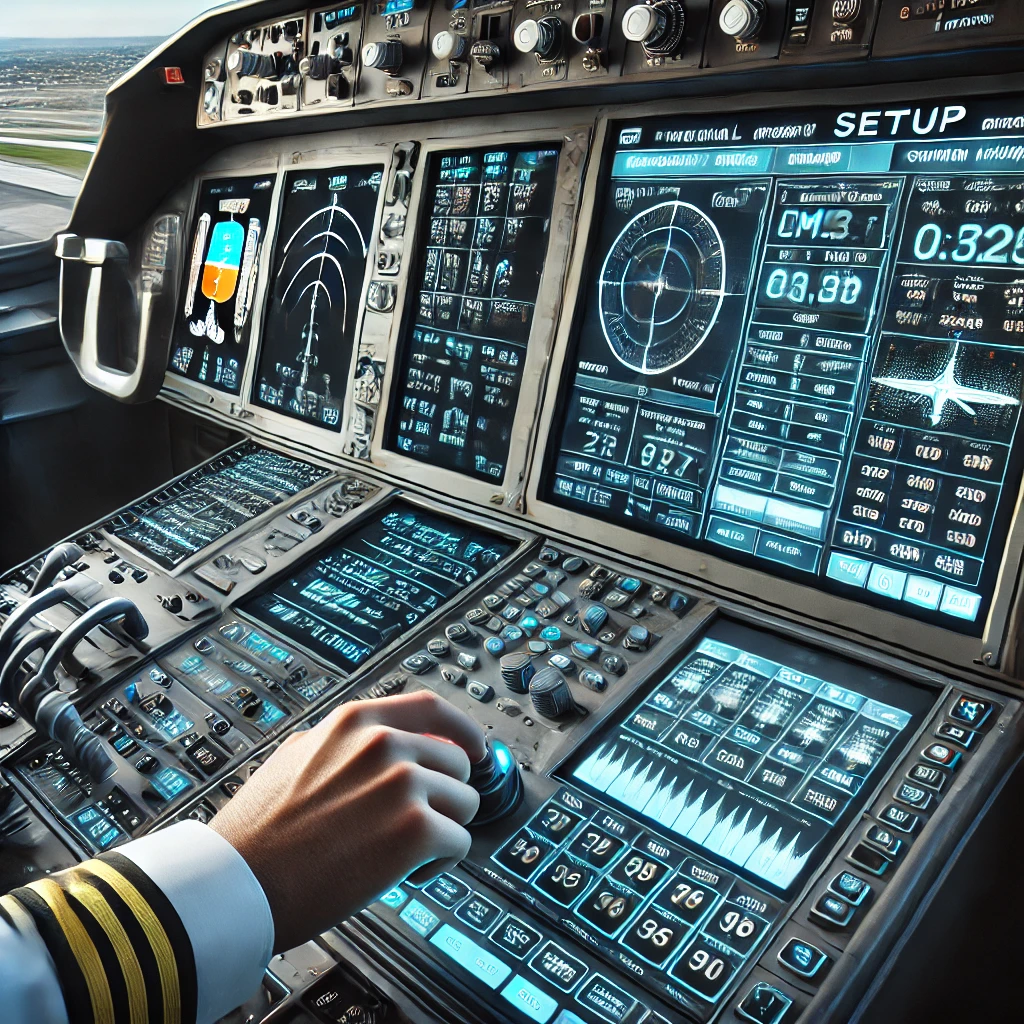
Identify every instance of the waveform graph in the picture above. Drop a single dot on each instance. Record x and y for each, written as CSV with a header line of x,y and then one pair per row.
x,y
747,832
315,294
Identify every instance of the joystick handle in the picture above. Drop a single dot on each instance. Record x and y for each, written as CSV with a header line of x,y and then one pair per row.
x,y
496,778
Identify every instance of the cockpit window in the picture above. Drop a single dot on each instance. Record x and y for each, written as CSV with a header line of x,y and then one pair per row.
x,y
57,59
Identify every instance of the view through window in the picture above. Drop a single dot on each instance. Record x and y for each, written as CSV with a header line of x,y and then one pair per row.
x,y
57,59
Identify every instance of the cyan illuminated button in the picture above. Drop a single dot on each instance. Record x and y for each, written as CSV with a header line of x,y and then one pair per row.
x,y
799,554
923,592
784,515
529,624
419,918
483,965
961,604
568,1017
732,535
740,503
887,582
394,898
446,890
847,569
528,999
605,999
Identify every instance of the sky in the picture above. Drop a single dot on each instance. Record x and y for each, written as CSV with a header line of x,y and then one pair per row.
x,y
102,18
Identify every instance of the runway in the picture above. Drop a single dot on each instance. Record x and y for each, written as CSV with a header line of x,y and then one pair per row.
x,y
35,202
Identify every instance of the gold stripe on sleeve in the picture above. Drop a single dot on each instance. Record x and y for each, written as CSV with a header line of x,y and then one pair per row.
x,y
92,899
82,947
166,961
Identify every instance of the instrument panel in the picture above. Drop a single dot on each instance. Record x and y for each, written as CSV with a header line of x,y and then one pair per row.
x,y
669,430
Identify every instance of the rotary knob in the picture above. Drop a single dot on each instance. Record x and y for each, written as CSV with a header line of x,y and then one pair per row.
x,y
385,56
659,27
448,45
496,778
742,18
485,54
542,37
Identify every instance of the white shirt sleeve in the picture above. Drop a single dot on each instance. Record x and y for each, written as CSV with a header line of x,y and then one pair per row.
x,y
29,990
222,908
218,900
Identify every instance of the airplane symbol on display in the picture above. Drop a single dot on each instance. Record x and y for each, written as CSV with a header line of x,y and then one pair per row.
x,y
945,388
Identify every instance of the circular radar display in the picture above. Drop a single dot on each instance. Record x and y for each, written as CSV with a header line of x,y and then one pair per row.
x,y
662,285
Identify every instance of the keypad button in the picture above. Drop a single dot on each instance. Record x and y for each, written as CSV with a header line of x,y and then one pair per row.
x,y
899,818
558,967
764,1004
478,913
523,853
516,937
850,888
942,754
687,899
446,890
477,615
928,775
913,796
655,935
831,911
803,958
608,1001
639,872
596,847
564,879
970,711
869,859
608,907
737,928
705,968
480,691
883,839
958,734
438,647
468,661
419,663
555,822
459,633
472,957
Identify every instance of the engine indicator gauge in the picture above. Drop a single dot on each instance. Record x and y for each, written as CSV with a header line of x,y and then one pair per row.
x,y
662,286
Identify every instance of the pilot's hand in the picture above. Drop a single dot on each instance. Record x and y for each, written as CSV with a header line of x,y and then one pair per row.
x,y
373,794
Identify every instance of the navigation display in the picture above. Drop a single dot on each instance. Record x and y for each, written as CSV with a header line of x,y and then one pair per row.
x,y
487,216
315,291
211,336
212,501
801,348
354,598
753,749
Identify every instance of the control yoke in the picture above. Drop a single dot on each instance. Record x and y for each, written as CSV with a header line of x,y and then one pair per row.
x,y
55,714
59,558
115,323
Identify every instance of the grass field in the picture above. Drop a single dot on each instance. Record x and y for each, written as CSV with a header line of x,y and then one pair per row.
x,y
73,161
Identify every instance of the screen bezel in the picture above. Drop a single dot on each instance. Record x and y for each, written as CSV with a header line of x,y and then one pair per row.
x,y
567,190
185,567
520,538
783,596
270,419
614,716
256,167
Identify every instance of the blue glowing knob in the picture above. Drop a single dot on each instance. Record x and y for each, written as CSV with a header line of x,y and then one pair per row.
x,y
496,778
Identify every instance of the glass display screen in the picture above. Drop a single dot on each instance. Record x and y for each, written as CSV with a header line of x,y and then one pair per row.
x,y
212,501
211,336
316,287
754,749
801,344
355,597
486,219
